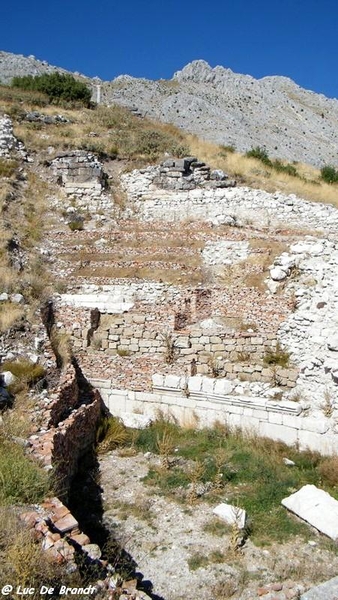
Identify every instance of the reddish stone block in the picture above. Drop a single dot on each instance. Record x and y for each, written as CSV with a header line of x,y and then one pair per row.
x,y
66,523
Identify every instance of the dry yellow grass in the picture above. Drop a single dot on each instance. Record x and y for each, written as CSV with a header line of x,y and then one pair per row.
x,y
253,173
10,315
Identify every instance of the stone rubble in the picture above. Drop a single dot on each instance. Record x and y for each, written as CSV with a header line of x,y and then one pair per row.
x,y
242,204
10,147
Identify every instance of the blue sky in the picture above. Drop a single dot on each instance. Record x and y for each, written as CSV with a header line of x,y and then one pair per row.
x,y
153,39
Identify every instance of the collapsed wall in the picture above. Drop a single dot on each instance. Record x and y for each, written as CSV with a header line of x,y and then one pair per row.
x,y
233,205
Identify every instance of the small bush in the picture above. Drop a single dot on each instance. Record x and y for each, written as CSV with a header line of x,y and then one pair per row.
x,y
27,373
11,315
7,167
61,346
58,87
277,356
197,560
122,352
111,433
329,174
227,149
288,169
328,470
21,480
76,222
260,154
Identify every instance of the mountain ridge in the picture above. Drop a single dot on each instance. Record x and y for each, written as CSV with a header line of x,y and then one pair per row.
x,y
220,106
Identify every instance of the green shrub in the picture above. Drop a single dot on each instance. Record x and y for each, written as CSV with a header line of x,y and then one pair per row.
x,y
260,154
111,433
76,222
288,169
277,356
227,149
58,87
7,167
329,174
26,372
152,143
21,480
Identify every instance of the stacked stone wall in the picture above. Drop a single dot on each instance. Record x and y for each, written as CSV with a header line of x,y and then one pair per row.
x,y
201,402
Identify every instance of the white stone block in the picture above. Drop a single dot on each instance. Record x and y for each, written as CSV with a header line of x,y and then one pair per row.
x,y
325,444
275,418
208,385
135,420
278,432
318,425
101,383
157,380
291,421
316,507
195,383
231,514
223,387
172,381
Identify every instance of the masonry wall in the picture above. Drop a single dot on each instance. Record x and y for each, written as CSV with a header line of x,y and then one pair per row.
x,y
67,429
204,401
236,355
211,204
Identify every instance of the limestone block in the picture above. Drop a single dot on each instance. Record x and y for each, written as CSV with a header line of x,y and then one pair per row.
x,y
231,514
208,385
291,421
316,507
325,444
217,348
182,342
101,383
327,590
317,425
275,418
195,383
197,347
203,369
172,381
138,319
236,410
332,343
223,387
278,432
145,343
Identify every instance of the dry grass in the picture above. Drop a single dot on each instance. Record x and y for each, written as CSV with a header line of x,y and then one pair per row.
x,y
253,173
61,345
10,315
328,470
151,273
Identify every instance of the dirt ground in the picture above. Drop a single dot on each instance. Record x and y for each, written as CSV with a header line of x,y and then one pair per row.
x,y
173,550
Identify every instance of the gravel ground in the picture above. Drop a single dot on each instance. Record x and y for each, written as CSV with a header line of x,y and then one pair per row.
x,y
162,535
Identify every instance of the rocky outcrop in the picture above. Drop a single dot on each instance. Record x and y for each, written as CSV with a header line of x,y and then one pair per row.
x,y
221,106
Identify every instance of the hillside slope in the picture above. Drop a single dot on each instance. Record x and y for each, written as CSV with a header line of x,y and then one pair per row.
x,y
222,107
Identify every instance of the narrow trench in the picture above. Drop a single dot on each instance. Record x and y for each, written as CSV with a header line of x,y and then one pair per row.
x,y
83,498
85,503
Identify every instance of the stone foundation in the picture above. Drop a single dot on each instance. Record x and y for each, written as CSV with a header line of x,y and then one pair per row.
x,y
202,402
